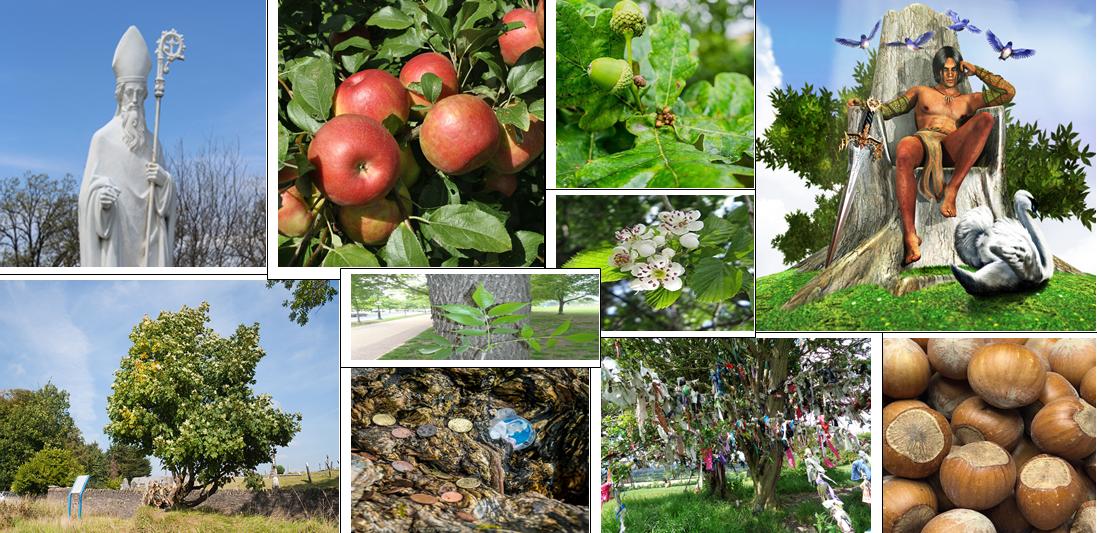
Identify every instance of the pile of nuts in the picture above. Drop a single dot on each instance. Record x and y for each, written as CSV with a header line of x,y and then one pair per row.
x,y
986,435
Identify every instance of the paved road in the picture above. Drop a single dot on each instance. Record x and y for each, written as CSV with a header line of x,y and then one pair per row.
x,y
374,340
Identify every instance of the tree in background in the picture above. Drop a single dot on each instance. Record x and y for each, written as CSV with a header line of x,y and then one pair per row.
x,y
127,461
564,288
93,462
49,466
38,222
379,292
184,394
810,123
31,421
307,296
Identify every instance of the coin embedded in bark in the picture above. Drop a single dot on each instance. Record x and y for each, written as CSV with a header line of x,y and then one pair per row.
x,y
452,497
426,430
383,420
402,466
460,425
425,499
468,483
402,433
401,483
466,516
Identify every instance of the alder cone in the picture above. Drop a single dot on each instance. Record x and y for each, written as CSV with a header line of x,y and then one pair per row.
x,y
434,63
513,156
460,134
373,93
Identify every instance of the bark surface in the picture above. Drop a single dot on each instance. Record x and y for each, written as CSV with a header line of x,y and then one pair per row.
x,y
458,289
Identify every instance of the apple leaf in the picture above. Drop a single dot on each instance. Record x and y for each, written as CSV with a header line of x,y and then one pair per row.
x,y
431,85
515,114
524,76
527,244
438,24
468,227
471,12
389,18
350,255
403,249
313,82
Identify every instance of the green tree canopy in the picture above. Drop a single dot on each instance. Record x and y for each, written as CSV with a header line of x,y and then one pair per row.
x,y
564,288
184,394
49,466
31,421
308,295
127,461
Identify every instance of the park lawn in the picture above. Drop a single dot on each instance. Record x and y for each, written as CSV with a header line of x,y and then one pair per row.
x,y
42,517
354,322
543,320
1066,303
320,480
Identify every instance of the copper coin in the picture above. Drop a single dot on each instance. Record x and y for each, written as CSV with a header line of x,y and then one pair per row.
x,y
402,466
452,497
468,483
460,425
426,430
466,516
402,433
383,420
425,499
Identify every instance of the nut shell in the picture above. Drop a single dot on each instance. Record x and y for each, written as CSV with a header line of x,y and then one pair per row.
x,y
908,505
1088,388
944,394
978,475
1084,519
975,420
950,357
960,520
1049,490
1065,427
1006,375
1007,518
1073,358
916,439
906,369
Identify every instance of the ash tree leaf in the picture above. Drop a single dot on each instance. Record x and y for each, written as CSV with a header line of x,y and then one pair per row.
x,y
350,255
597,258
524,76
582,337
431,86
526,332
516,115
509,319
712,280
428,351
483,297
460,309
584,44
673,58
389,18
471,332
562,328
659,160
535,344
466,320
403,249
507,308
468,227
661,298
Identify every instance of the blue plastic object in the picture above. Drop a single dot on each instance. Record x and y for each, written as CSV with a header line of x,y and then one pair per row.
x,y
515,430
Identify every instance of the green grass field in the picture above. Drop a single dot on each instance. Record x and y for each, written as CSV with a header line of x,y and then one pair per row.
x,y
42,517
544,320
1066,303
677,509
320,480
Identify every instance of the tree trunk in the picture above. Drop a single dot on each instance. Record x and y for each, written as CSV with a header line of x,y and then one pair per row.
x,y
458,289
870,250
717,481
560,311
765,467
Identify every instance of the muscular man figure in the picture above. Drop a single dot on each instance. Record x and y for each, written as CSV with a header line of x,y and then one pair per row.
x,y
950,132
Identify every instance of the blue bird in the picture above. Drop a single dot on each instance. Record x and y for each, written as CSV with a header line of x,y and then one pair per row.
x,y
913,44
1007,51
959,24
863,42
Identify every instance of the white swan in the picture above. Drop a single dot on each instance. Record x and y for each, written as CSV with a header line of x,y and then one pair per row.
x,y
1010,255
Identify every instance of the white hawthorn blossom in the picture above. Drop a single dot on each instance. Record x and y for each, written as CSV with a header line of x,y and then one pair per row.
x,y
658,271
682,224
644,251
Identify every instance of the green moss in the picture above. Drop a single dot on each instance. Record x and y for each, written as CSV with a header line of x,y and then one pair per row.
x,y
1066,303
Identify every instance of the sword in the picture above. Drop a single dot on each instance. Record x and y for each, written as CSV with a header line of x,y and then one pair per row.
x,y
861,146
169,48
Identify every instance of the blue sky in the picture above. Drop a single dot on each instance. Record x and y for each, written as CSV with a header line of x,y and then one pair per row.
x,y
74,333
57,86
1056,86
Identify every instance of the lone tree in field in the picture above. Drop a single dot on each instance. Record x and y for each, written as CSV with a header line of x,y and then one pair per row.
x,y
183,394
564,288
763,383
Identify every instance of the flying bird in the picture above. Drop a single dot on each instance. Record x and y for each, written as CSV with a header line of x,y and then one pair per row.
x,y
1007,51
1010,254
959,24
863,42
913,44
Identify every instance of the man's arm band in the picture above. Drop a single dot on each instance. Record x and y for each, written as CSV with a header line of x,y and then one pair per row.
x,y
896,107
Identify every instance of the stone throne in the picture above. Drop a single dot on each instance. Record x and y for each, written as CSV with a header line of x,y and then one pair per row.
x,y
870,249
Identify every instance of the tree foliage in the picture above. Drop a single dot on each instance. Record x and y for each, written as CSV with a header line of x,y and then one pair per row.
x,y
564,288
381,292
38,222
307,296
127,461
49,466
183,393
31,421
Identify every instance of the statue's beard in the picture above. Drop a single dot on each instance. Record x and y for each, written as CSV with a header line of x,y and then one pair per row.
x,y
133,127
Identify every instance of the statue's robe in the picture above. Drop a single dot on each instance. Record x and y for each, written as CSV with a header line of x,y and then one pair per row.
x,y
115,237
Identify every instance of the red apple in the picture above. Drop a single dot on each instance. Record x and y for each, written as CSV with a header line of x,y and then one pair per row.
x,y
460,134
373,93
514,43
374,222
409,167
505,184
513,156
356,160
541,20
294,217
434,63
286,175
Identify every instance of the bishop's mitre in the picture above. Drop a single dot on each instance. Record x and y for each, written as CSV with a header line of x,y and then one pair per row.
x,y
131,58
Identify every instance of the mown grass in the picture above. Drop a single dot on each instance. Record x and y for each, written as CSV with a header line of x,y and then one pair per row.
x,y
1066,303
320,480
543,320
43,517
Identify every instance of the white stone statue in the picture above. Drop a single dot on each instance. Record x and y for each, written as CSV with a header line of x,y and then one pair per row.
x,y
114,192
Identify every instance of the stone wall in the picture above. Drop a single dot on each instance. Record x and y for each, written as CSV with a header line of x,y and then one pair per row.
x,y
284,503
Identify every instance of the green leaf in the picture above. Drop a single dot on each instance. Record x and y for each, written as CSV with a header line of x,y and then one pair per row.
x,y
526,246
428,351
283,144
585,43
598,258
673,58
515,115
509,319
524,76
537,108
431,85
389,18
562,328
658,160
574,148
712,280
468,227
360,43
526,332
350,255
440,25
534,344
300,117
465,320
471,12
313,82
398,46
661,298
586,336
403,249
483,297
507,308
460,309
471,332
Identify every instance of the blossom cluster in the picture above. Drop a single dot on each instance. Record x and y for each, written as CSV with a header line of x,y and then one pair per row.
x,y
647,252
